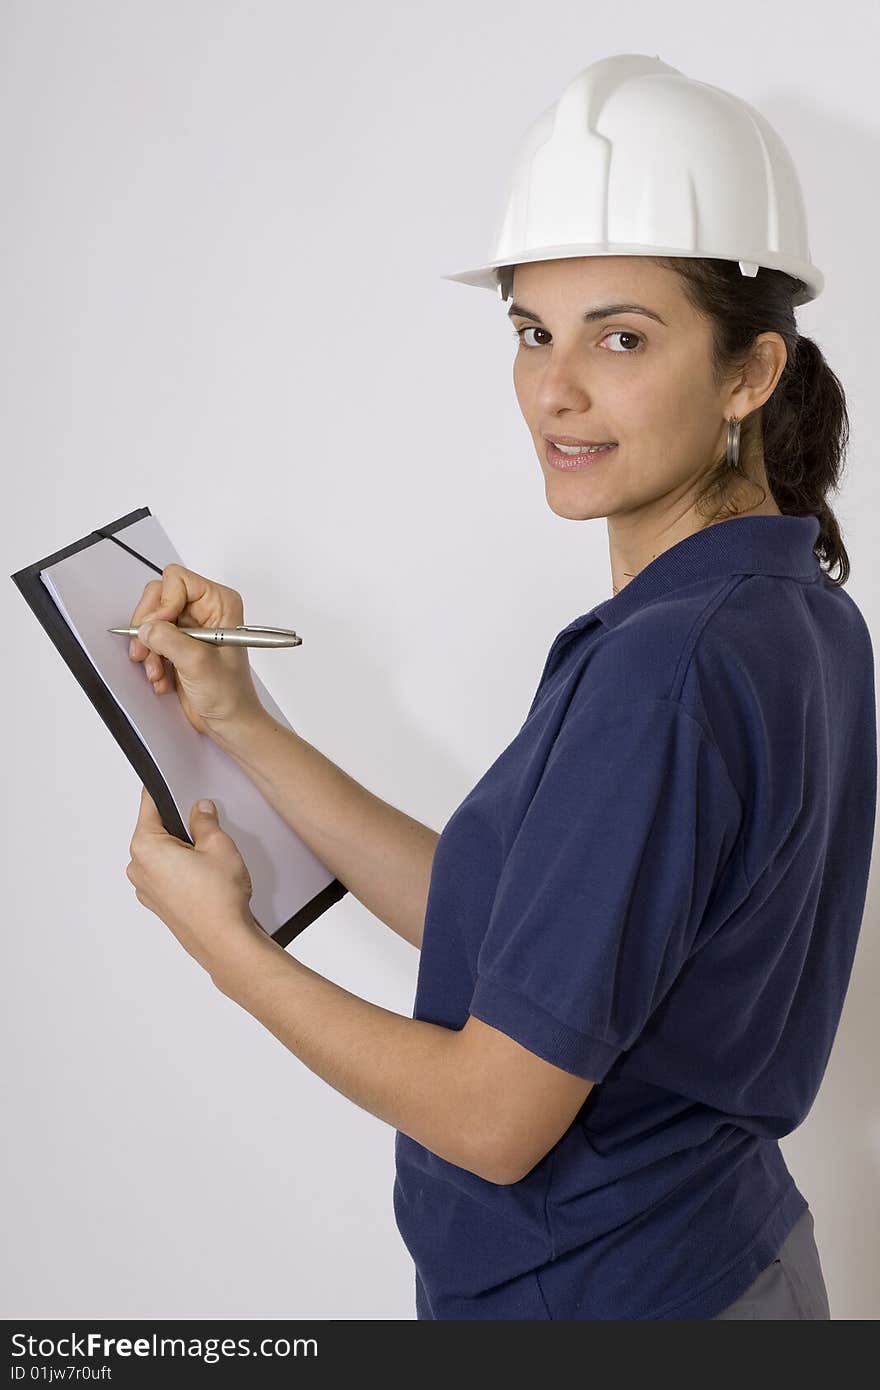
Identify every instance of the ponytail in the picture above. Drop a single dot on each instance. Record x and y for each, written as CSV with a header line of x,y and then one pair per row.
x,y
804,424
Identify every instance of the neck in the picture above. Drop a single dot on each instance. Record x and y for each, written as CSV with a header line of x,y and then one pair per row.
x,y
634,541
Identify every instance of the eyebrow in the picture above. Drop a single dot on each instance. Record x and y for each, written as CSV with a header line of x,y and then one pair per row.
x,y
603,312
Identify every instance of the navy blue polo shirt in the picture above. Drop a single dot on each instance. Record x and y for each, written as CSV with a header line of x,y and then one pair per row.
x,y
658,886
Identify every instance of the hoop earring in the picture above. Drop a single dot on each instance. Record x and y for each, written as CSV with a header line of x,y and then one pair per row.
x,y
734,426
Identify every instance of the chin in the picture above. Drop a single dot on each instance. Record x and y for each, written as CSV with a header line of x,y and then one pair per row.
x,y
573,510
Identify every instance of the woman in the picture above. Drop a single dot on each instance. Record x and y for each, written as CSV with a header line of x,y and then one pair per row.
x,y
637,929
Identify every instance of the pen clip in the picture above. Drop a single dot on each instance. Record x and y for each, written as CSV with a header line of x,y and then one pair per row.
x,y
278,631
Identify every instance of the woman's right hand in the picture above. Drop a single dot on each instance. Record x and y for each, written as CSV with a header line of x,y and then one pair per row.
x,y
214,683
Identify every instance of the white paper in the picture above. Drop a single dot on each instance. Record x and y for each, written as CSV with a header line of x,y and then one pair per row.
x,y
99,588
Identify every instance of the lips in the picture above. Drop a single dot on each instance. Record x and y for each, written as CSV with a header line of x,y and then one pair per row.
x,y
557,459
571,440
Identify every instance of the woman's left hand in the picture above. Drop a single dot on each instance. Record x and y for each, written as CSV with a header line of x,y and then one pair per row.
x,y
201,891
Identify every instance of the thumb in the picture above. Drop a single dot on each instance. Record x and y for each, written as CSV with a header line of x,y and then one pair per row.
x,y
166,639
203,821
208,837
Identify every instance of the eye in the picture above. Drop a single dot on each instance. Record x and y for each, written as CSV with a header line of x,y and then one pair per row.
x,y
626,333
518,332
615,333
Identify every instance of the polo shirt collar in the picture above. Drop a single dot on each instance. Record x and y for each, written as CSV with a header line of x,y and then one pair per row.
x,y
780,545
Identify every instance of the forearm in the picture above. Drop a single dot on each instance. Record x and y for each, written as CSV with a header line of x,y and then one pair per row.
x,y
411,1074
382,856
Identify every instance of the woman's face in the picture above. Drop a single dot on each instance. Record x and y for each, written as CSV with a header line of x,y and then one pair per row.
x,y
619,376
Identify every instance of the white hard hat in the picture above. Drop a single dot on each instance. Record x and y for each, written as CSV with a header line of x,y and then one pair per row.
x,y
635,159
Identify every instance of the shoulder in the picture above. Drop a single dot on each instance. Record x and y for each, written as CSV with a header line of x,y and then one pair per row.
x,y
761,629
650,653
720,655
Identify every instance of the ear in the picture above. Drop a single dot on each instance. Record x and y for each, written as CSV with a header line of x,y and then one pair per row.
x,y
759,377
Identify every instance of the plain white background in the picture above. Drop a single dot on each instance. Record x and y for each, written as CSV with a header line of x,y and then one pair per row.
x,y
224,227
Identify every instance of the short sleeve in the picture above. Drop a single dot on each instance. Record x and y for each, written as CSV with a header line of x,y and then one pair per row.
x,y
607,882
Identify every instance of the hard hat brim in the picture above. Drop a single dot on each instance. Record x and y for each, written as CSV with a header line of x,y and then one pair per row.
x,y
487,277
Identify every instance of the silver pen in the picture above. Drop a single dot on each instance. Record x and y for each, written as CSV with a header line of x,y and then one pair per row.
x,y
245,635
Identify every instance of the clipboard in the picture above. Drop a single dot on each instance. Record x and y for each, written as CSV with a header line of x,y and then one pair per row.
x,y
292,887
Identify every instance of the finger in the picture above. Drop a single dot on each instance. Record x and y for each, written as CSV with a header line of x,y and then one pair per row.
x,y
210,604
203,821
151,608
182,591
149,821
142,651
150,600
166,598
165,639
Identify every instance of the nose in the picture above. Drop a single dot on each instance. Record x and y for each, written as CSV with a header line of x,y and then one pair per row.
x,y
561,385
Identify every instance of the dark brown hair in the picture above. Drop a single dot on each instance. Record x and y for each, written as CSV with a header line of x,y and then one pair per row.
x,y
803,425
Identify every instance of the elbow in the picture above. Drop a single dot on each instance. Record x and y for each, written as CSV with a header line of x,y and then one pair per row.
x,y
498,1153
501,1167
483,1160
506,1174
497,1175
504,1178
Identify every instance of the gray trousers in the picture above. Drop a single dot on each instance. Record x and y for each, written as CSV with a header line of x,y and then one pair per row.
x,y
792,1286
